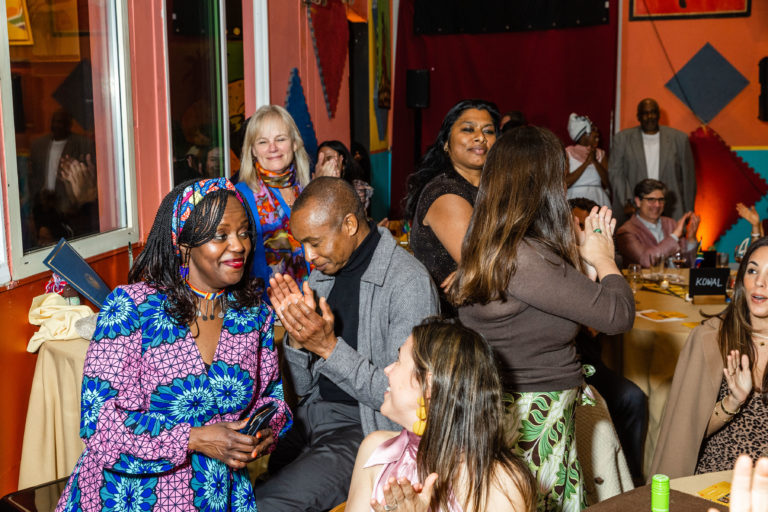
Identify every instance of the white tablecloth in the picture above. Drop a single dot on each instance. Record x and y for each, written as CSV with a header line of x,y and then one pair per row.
x,y
650,352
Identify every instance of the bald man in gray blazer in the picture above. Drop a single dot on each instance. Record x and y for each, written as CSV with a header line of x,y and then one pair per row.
x,y
652,151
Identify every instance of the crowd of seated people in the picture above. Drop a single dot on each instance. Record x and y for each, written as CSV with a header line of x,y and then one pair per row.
x,y
400,409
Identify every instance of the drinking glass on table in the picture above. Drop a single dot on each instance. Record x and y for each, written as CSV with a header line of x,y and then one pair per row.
x,y
722,260
657,265
675,264
635,277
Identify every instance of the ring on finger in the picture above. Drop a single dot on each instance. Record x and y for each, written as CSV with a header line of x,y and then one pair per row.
x,y
390,507
299,328
597,230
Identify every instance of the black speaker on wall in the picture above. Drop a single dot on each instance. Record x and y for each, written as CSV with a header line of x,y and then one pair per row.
x,y
417,88
762,110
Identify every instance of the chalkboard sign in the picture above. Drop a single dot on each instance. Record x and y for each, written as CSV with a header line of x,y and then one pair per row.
x,y
708,281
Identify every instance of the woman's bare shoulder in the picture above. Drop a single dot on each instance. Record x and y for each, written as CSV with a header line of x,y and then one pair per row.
x,y
372,441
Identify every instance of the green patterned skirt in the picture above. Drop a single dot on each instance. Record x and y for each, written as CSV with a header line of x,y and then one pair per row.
x,y
540,428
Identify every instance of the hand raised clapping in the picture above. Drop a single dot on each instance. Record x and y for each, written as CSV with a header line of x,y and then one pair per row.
x,y
328,166
738,376
298,313
596,241
749,214
81,177
406,497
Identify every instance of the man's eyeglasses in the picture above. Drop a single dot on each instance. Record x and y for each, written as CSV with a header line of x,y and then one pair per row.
x,y
657,200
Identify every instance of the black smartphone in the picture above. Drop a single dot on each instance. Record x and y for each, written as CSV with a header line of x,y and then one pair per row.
x,y
260,419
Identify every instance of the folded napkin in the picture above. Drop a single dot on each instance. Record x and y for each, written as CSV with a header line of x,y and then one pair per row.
x,y
56,319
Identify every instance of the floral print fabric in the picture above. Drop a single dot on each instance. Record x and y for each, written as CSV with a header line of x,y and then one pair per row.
x,y
540,428
283,252
145,385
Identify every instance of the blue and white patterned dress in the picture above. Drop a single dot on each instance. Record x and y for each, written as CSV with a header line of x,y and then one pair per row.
x,y
145,385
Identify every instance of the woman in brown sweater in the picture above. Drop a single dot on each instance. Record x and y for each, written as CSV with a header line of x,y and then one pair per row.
x,y
521,283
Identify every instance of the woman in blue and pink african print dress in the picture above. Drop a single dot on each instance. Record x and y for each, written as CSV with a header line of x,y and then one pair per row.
x,y
179,360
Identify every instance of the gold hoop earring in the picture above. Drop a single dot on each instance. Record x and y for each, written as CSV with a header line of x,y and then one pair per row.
x,y
420,426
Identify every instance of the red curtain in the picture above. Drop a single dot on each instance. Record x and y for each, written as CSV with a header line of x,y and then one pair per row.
x,y
546,74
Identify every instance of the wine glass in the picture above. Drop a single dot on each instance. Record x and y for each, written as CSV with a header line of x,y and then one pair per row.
x,y
679,260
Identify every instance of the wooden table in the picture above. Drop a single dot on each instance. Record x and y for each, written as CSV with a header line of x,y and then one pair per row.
x,y
650,351
52,442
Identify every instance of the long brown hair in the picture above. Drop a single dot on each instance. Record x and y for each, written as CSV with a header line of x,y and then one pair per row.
x,y
464,416
736,327
521,196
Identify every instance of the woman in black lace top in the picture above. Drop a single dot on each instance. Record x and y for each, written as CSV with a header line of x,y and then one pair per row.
x,y
441,193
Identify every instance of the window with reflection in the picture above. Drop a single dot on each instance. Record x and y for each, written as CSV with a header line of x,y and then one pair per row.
x,y
205,75
67,119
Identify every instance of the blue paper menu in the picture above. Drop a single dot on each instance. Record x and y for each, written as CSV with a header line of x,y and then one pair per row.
x,y
67,262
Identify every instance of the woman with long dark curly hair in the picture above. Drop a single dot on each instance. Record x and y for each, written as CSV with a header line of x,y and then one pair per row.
x,y
441,194
444,389
718,403
521,283
179,359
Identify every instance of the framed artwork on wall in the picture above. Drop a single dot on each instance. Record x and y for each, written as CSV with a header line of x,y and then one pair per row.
x,y
643,10
19,28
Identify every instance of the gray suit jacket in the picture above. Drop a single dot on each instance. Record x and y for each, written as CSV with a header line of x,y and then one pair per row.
x,y
396,294
627,167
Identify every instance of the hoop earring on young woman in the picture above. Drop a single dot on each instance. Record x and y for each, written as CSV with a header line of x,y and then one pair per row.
x,y
420,426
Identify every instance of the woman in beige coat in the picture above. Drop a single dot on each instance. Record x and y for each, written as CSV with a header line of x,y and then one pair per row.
x,y
718,405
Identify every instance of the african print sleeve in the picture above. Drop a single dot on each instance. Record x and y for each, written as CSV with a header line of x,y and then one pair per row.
x,y
115,423
272,382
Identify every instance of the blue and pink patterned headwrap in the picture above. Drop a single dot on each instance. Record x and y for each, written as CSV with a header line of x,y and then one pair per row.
x,y
191,197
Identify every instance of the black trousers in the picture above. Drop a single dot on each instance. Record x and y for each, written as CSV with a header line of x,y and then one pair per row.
x,y
626,402
312,466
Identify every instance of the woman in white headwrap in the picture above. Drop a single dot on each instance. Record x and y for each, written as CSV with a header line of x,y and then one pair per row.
x,y
587,174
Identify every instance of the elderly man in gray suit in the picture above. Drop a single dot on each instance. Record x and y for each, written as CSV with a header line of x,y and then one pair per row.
x,y
371,293
655,152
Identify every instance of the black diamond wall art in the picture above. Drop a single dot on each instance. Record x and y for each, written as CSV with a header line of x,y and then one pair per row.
x,y
707,83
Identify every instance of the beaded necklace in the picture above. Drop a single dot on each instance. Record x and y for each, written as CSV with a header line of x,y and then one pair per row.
x,y
209,298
